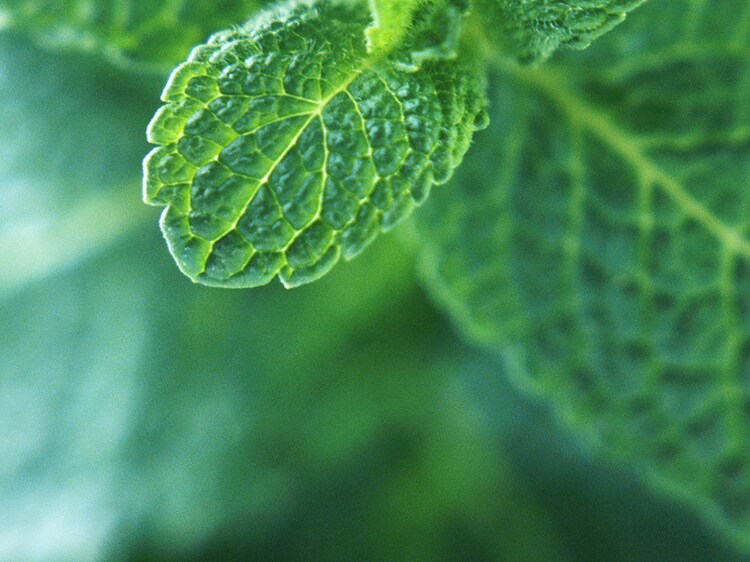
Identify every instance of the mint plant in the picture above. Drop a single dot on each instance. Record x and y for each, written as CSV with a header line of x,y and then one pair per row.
x,y
295,140
580,193
595,239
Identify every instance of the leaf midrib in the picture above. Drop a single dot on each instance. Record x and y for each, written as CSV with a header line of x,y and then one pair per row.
x,y
583,115
316,113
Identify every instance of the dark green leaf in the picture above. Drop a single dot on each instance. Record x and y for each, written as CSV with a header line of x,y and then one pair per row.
x,y
598,238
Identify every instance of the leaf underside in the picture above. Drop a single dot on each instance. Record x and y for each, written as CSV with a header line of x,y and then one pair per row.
x,y
284,146
599,238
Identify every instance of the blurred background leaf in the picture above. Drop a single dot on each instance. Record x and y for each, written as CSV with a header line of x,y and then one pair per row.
x,y
73,142
154,34
604,253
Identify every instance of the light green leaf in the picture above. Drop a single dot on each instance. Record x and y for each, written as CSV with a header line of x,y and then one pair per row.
x,y
436,32
599,239
531,30
390,22
158,32
284,145
421,29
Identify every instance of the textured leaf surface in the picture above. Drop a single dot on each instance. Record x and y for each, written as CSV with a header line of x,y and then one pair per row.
x,y
532,30
145,31
285,146
599,238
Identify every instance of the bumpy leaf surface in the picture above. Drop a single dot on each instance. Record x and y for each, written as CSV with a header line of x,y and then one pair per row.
x,y
599,237
143,31
532,30
285,145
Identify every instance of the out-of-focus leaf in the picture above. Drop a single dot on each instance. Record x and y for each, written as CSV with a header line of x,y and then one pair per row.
x,y
155,32
73,139
598,238
531,30
132,421
602,509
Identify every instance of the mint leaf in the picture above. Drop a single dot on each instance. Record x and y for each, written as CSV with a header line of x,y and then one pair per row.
x,y
531,30
125,31
285,145
598,239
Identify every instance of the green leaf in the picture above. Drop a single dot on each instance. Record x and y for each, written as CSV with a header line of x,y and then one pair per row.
x,y
437,29
284,145
157,32
390,22
531,30
114,373
599,239
423,29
